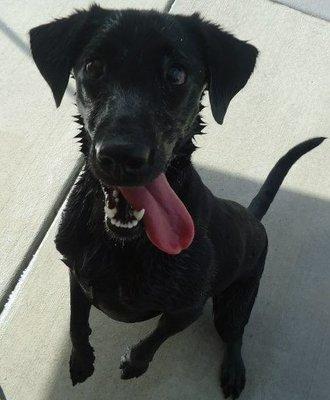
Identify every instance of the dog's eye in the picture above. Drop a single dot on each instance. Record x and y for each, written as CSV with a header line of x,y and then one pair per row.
x,y
176,75
94,69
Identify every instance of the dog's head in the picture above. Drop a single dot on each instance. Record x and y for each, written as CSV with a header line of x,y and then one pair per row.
x,y
140,76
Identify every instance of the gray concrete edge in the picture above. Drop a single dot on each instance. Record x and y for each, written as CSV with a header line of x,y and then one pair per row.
x,y
311,14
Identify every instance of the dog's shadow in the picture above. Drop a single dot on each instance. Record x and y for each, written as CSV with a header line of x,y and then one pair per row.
x,y
285,346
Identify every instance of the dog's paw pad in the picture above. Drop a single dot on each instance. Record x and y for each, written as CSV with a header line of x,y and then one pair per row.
x,y
232,378
132,368
81,366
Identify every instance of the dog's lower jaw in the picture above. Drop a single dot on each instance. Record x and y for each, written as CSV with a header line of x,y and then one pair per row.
x,y
121,240
121,221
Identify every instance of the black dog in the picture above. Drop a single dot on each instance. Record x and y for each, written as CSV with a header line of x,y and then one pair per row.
x,y
141,234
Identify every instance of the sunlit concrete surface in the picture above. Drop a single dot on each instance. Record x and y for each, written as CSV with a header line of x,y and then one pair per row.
x,y
287,347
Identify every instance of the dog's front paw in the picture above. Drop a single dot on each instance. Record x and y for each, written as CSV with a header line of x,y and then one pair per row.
x,y
232,377
131,366
81,364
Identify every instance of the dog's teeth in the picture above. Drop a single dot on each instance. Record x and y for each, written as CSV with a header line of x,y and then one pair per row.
x,y
126,225
110,212
115,193
138,214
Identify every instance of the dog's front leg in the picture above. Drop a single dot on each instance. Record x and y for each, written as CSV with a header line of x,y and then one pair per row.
x,y
137,358
82,355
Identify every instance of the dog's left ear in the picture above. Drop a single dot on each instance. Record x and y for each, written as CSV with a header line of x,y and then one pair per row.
x,y
56,46
229,62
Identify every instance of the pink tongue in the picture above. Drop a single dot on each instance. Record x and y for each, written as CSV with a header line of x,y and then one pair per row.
x,y
167,222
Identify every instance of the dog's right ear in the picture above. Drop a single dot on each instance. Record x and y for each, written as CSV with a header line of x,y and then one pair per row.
x,y
230,63
56,46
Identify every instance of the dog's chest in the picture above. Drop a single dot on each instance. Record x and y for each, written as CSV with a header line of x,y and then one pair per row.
x,y
137,290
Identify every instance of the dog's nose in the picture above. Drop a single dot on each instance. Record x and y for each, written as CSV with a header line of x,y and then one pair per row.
x,y
130,157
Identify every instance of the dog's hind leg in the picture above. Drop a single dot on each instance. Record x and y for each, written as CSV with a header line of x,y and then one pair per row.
x,y
136,360
82,355
232,309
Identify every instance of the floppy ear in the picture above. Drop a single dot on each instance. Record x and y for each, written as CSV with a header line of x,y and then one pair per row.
x,y
56,46
230,63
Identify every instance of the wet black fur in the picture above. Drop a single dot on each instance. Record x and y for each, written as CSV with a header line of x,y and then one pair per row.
x,y
132,280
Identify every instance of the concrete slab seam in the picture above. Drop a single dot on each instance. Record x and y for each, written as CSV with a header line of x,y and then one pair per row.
x,y
311,14
40,235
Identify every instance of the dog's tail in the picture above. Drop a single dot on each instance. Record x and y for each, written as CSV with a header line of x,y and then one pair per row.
x,y
260,204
